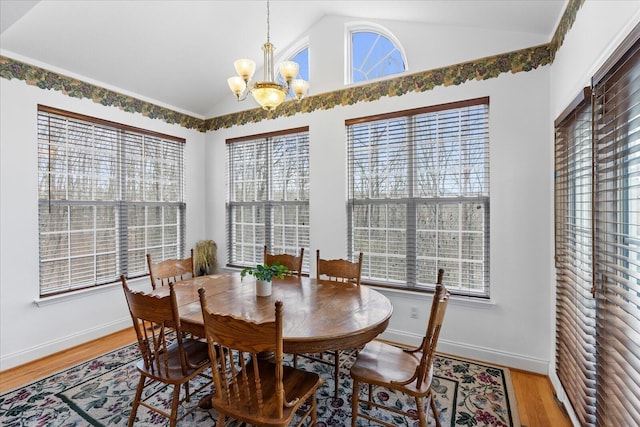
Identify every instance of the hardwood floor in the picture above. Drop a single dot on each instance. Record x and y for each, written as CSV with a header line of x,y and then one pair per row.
x,y
24,374
537,406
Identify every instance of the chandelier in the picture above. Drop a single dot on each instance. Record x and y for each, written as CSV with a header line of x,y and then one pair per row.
x,y
268,93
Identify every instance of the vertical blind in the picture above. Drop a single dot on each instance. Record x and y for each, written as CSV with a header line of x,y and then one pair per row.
x,y
575,305
617,239
418,196
108,195
598,252
268,195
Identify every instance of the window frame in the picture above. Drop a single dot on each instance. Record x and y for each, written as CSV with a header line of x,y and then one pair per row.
x,y
367,27
414,279
121,158
265,225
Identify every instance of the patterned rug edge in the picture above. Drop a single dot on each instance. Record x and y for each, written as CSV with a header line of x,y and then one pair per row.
x,y
506,373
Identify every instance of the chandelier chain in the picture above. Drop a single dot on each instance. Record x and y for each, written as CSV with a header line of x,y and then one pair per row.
x,y
268,23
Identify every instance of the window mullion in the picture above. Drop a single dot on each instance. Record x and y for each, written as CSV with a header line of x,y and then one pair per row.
x,y
411,232
122,225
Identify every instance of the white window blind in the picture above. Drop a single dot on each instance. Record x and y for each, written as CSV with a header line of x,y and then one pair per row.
x,y
418,197
268,196
108,195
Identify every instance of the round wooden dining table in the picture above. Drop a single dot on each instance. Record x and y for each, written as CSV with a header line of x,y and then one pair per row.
x,y
318,315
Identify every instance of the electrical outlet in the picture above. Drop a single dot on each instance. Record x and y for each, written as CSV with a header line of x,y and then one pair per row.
x,y
414,312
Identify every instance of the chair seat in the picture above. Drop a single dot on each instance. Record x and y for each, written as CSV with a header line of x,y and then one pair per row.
x,y
301,384
196,352
383,364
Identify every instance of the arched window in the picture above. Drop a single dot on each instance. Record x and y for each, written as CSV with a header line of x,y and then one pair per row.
x,y
374,53
302,58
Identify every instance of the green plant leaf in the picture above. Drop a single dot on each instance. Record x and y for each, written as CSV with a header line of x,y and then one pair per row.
x,y
265,272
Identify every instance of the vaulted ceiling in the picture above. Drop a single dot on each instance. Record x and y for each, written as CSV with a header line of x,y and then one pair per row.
x,y
179,54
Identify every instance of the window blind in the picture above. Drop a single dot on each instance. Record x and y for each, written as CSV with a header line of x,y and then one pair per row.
x,y
617,236
575,305
598,308
268,196
108,195
418,196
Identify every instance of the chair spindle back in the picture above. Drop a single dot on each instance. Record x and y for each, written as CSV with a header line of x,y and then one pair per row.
x,y
153,319
238,370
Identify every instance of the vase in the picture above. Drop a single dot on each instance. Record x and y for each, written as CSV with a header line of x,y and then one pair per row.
x,y
263,288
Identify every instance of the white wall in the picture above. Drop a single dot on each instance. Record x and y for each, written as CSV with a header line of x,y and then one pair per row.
x,y
27,330
599,28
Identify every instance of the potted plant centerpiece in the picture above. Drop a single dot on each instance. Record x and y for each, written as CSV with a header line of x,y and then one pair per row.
x,y
263,274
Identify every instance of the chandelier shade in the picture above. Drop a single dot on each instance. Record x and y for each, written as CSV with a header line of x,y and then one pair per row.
x,y
269,93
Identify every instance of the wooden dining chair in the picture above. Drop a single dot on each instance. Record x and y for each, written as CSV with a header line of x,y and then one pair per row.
x,y
170,270
249,387
167,357
292,262
341,271
409,371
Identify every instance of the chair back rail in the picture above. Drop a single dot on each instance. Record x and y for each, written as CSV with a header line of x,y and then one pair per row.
x,y
170,270
340,270
292,262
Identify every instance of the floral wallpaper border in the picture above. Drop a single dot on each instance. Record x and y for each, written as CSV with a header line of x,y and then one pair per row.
x,y
481,69
45,79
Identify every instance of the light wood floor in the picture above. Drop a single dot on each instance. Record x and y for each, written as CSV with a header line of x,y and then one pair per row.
x,y
534,394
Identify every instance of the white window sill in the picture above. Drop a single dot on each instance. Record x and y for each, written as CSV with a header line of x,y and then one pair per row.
x,y
455,299
74,295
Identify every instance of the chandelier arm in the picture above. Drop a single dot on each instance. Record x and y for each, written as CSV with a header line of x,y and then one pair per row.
x,y
244,94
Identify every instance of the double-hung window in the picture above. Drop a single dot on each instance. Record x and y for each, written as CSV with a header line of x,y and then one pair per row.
x,y
418,196
267,195
108,195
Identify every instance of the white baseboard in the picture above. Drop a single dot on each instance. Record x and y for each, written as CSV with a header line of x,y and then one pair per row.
x,y
450,347
48,348
496,357
561,395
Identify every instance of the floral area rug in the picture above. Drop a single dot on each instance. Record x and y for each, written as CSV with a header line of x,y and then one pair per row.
x,y
100,393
